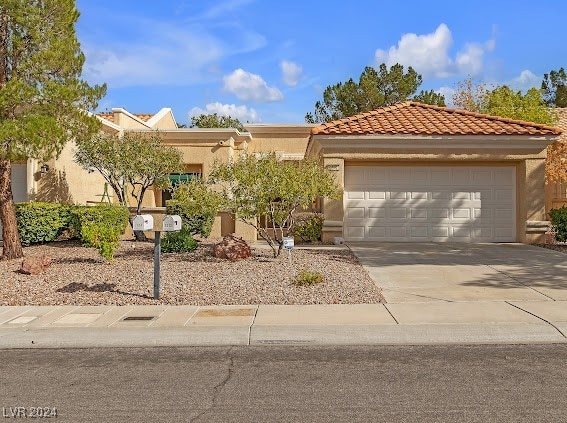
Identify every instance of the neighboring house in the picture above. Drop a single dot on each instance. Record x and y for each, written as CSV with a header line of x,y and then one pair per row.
x,y
556,193
410,172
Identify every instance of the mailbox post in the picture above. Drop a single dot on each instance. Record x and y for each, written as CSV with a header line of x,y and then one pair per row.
x,y
171,223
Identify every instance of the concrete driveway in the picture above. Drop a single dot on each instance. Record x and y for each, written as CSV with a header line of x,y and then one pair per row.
x,y
442,272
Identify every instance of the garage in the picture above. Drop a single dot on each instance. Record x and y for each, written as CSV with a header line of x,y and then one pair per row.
x,y
430,203
414,172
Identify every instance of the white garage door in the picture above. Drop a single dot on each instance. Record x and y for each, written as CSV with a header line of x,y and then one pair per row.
x,y
434,203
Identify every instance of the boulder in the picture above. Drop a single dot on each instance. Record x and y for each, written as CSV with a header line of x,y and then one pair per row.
x,y
233,248
34,265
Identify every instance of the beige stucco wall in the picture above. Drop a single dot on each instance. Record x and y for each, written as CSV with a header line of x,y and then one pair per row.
x,y
67,182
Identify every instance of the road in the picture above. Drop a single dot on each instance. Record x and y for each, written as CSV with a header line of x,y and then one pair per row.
x,y
491,383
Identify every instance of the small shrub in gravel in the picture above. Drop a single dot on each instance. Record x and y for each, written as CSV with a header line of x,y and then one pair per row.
x,y
307,278
101,227
558,219
308,226
178,242
42,222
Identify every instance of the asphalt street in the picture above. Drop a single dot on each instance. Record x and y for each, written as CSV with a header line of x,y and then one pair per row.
x,y
481,383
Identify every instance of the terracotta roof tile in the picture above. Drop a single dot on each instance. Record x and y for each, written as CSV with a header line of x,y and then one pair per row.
x,y
107,116
414,118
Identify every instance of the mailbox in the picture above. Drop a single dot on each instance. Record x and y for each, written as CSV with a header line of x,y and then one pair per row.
x,y
171,223
143,222
288,242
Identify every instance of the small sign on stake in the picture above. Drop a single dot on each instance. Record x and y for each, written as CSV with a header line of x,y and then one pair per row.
x,y
288,244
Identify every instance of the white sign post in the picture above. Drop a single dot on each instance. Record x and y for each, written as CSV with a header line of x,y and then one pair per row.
x,y
288,244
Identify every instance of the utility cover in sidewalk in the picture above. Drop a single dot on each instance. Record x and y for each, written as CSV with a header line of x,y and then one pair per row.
x,y
226,312
141,318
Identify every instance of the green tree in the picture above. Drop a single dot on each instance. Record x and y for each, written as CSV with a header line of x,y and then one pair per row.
x,y
375,88
264,186
430,97
43,101
130,164
530,107
213,120
554,87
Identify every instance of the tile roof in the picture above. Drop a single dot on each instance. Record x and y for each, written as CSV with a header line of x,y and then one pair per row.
x,y
144,117
412,118
107,116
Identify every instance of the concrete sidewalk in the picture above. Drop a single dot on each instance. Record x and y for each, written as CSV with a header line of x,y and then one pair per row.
x,y
409,323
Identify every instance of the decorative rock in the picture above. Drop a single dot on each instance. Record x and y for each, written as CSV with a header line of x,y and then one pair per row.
x,y
233,248
34,265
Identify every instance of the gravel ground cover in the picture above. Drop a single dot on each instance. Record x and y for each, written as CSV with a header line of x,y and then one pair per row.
x,y
78,276
557,247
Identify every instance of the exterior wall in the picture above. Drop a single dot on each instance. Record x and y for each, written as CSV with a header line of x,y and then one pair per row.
x,y
67,182
333,210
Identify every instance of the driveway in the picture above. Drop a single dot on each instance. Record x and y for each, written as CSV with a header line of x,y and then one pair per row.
x,y
446,272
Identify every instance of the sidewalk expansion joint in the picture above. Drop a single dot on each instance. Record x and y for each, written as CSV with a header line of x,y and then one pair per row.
x,y
390,313
252,324
541,318
517,281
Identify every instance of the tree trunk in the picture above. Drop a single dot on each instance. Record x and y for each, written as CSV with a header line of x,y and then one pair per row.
x,y
12,247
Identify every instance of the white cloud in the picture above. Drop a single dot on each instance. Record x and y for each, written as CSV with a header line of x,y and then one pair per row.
x,y
249,86
242,113
429,54
526,80
291,72
469,61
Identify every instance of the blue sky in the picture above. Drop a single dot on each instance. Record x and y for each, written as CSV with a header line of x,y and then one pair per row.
x,y
269,61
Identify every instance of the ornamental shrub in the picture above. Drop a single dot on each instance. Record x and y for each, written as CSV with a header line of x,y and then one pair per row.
x,y
197,204
307,278
308,226
101,227
558,219
42,222
178,242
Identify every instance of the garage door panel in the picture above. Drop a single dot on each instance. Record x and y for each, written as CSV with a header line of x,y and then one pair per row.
x,y
430,203
418,213
376,212
377,195
376,231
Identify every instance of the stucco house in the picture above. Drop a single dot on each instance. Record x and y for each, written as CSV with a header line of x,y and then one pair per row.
x,y
410,172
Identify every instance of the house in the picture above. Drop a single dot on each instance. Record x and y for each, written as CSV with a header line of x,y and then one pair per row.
x,y
416,172
410,172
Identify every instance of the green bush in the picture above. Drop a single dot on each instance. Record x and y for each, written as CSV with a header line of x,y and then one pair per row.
x,y
308,226
197,205
307,278
101,227
42,222
178,242
558,219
